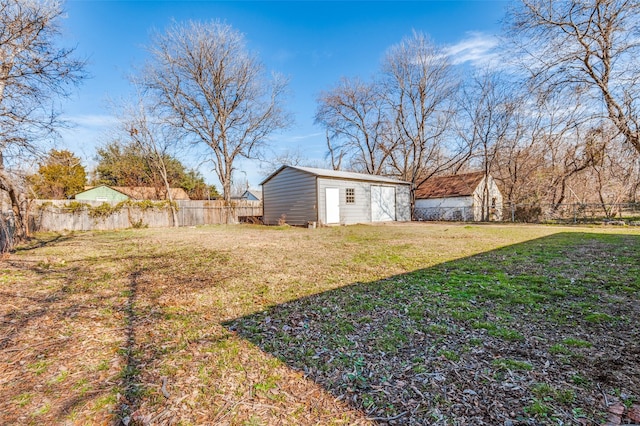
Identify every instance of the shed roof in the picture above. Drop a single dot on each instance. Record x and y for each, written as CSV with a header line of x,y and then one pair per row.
x,y
140,192
339,175
88,188
461,185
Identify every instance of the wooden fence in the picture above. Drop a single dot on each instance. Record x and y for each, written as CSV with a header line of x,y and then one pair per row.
x,y
63,215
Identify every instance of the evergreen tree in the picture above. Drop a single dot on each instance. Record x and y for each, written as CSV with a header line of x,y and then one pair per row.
x,y
60,176
125,165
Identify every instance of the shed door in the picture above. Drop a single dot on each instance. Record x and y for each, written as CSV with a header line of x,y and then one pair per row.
x,y
383,203
333,205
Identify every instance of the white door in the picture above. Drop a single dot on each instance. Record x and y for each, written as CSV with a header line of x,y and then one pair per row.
x,y
383,203
333,205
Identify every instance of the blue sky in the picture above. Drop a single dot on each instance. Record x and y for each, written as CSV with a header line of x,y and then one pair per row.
x,y
314,44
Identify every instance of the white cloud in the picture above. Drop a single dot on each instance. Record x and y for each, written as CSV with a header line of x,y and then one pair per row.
x,y
91,120
298,138
477,49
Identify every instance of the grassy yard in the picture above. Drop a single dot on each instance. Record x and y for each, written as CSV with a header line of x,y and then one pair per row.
x,y
248,325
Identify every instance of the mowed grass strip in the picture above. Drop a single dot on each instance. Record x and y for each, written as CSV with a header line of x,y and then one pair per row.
x,y
419,323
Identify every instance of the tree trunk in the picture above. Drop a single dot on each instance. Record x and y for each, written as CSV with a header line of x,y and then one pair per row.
x,y
20,232
174,213
165,179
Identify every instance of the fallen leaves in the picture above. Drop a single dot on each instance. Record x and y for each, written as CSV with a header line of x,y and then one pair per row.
x,y
234,325
617,412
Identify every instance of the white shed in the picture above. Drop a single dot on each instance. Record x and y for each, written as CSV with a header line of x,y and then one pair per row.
x,y
302,195
459,197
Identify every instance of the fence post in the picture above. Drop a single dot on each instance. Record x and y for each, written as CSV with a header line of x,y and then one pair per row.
x,y
513,212
575,214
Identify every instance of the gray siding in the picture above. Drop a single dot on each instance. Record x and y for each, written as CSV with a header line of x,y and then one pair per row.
x,y
357,212
292,194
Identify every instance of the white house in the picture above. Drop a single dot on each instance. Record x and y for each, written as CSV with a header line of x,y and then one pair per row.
x,y
302,195
466,196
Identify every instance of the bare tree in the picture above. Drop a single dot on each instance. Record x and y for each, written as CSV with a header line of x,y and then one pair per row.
x,y
550,150
354,117
289,157
563,134
519,160
153,138
488,118
34,69
612,178
420,87
334,153
209,85
592,45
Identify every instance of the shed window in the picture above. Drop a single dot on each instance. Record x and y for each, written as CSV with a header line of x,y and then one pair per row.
x,y
351,195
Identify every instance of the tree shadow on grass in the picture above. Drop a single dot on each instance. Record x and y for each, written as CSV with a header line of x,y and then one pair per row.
x,y
130,375
51,342
43,241
85,337
534,333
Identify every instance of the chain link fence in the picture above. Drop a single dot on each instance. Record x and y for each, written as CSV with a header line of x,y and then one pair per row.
x,y
455,214
617,213
625,213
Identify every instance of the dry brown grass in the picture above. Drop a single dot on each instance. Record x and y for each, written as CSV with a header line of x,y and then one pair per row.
x,y
100,328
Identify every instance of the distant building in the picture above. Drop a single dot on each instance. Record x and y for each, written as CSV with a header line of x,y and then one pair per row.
x,y
300,195
252,195
101,193
458,197
122,193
